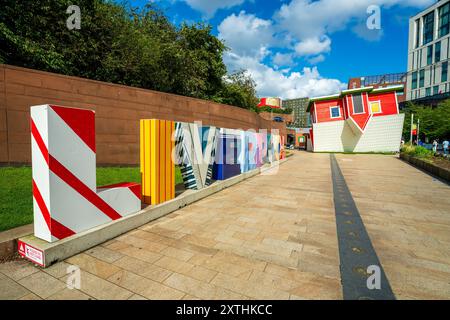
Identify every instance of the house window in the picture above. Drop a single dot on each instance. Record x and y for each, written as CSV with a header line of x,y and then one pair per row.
x,y
428,26
414,80
358,106
444,71
437,52
429,55
335,112
375,107
422,78
428,92
444,20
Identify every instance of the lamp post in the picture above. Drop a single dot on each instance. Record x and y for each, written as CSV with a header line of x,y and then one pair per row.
x,y
411,132
418,129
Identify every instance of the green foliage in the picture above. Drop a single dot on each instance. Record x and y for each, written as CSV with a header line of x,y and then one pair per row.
x,y
275,110
434,122
416,151
130,46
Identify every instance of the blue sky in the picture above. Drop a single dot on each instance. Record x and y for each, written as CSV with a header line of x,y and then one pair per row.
x,y
295,48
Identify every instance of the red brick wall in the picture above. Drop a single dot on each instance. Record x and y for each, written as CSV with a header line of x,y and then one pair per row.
x,y
118,110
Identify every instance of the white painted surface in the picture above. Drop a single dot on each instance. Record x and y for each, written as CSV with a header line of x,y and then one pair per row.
x,y
382,134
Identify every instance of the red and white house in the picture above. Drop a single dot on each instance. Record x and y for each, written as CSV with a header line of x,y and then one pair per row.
x,y
357,120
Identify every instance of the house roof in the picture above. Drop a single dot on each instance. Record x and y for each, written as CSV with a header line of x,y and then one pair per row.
x,y
351,91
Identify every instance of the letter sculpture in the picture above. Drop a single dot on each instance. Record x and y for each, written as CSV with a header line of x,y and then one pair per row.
x,y
157,166
66,200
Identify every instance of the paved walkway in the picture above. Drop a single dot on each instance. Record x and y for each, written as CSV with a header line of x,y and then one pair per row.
x,y
269,237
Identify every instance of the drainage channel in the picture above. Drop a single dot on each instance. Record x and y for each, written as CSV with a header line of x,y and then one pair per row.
x,y
358,259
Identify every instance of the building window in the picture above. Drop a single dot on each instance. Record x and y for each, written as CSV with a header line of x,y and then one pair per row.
x,y
335,112
421,78
358,106
444,71
428,27
375,107
435,90
414,80
417,33
437,52
428,92
429,55
444,20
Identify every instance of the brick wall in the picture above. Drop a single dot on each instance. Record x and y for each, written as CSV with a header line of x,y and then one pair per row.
x,y
118,110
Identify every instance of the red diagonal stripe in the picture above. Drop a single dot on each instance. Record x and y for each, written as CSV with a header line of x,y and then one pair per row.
x,y
60,231
69,178
56,229
81,121
41,204
40,142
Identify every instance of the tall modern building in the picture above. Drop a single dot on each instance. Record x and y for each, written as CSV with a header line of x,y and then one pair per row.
x,y
299,106
429,52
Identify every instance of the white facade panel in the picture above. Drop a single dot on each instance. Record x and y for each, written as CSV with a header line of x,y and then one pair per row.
x,y
382,134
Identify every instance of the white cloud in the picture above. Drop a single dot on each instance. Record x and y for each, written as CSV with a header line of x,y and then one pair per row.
x,y
313,46
209,7
306,19
279,83
303,28
283,59
245,33
316,59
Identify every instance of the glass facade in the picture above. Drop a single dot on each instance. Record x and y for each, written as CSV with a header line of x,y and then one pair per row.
x,y
417,33
421,78
414,80
429,55
444,71
437,52
444,19
435,90
428,28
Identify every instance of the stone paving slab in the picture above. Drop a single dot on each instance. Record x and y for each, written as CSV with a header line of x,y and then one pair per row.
x,y
269,237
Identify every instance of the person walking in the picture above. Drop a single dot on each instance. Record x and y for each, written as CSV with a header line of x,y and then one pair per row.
x,y
435,144
445,145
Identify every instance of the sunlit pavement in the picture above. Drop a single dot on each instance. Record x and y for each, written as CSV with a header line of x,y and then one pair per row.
x,y
269,237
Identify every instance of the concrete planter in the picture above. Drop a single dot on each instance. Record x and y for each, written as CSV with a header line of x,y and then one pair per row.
x,y
426,166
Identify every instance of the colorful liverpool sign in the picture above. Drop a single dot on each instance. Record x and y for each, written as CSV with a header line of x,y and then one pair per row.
x,y
66,200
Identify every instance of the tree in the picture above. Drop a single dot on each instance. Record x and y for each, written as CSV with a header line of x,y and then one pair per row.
x,y
130,46
239,90
434,122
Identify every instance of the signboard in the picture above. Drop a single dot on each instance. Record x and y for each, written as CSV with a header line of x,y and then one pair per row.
x,y
31,253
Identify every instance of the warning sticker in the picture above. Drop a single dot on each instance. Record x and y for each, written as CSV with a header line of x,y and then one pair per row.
x,y
31,253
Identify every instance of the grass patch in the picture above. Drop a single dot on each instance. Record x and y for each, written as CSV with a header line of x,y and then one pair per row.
x,y
16,199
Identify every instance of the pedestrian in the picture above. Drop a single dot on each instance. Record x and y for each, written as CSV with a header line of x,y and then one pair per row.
x,y
445,145
435,144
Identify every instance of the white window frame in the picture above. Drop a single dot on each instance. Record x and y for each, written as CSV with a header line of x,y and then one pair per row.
x,y
353,105
370,107
331,113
